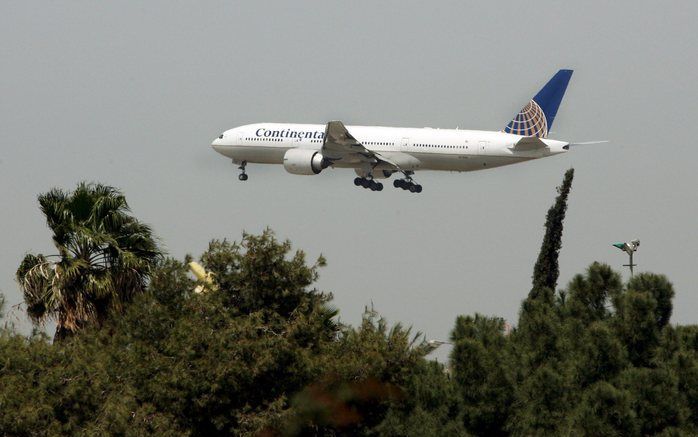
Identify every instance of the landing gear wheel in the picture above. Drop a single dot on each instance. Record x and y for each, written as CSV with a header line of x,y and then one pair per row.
x,y
418,188
243,175
413,188
397,183
368,183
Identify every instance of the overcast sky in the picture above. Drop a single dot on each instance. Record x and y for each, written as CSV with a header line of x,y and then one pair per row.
x,y
132,96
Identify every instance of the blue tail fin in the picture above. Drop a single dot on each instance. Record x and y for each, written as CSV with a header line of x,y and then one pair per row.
x,y
536,118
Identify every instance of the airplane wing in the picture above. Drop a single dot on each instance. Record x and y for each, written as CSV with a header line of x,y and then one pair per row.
x,y
340,145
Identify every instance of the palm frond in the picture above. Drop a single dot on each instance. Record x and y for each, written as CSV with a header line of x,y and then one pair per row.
x,y
105,255
35,276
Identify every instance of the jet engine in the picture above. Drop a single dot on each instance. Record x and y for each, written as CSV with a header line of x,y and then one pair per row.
x,y
304,161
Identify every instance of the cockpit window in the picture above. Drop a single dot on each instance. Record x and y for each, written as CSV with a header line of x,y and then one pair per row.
x,y
220,136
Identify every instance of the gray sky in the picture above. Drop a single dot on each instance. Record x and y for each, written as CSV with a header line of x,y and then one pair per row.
x,y
132,95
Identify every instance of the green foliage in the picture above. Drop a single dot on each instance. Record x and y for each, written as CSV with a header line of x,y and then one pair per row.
x,y
538,332
588,296
263,353
599,355
257,276
538,345
104,258
540,402
546,270
636,325
363,375
661,291
479,371
605,411
598,358
654,397
432,405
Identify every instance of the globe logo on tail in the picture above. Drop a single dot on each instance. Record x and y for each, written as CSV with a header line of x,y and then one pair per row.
x,y
529,122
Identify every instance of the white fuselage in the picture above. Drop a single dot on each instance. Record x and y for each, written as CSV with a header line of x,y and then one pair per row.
x,y
411,148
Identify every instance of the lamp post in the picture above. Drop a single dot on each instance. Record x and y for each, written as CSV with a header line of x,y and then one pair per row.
x,y
630,248
205,278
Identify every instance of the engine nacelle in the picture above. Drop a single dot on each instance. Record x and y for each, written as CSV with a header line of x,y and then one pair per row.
x,y
304,161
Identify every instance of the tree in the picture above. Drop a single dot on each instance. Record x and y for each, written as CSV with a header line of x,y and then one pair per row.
x,y
479,362
539,319
655,398
661,290
604,411
542,401
262,352
363,384
104,258
588,295
431,405
546,270
636,326
538,346
598,354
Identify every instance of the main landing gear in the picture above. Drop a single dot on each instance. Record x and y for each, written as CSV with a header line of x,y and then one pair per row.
x,y
407,184
243,175
368,183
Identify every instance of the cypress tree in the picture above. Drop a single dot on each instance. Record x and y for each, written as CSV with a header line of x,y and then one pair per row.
x,y
539,320
541,390
546,270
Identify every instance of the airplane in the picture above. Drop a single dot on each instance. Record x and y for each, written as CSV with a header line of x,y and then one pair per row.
x,y
377,152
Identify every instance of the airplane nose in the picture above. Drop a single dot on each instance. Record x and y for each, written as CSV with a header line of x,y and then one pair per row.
x,y
218,144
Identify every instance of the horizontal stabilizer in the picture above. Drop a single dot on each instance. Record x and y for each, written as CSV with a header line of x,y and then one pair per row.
x,y
526,144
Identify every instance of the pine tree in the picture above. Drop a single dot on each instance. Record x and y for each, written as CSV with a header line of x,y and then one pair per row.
x,y
479,365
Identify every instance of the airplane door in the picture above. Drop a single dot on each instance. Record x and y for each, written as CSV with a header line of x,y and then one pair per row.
x,y
404,143
481,147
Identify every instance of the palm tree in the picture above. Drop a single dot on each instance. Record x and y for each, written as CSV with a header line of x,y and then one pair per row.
x,y
104,258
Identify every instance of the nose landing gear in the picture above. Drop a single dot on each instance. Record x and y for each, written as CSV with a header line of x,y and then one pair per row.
x,y
243,175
